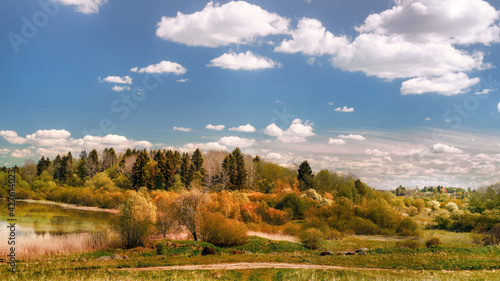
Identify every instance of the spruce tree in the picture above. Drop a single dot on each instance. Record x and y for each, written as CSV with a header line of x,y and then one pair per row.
x,y
81,171
241,171
186,172
305,176
138,171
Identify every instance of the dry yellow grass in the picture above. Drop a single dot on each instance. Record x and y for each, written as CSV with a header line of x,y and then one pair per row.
x,y
29,245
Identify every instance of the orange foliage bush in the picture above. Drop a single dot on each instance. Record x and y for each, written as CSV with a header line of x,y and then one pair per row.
x,y
255,196
249,214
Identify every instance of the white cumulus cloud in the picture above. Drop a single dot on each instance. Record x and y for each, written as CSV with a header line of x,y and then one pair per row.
x,y
390,57
203,146
312,38
443,148
118,80
21,153
161,67
243,128
117,88
12,137
182,129
215,127
237,142
427,21
344,109
220,25
449,84
242,61
352,137
297,132
336,141
83,6
52,142
377,153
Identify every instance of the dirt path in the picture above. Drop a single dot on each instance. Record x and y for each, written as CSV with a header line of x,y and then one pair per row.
x,y
270,236
245,265
71,206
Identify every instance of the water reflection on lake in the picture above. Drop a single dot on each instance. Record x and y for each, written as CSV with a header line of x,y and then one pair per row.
x,y
42,219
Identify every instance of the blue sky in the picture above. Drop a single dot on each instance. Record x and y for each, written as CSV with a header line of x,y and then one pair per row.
x,y
401,92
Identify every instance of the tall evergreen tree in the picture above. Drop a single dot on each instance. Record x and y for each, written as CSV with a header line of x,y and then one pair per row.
x,y
81,168
161,162
42,165
240,169
138,170
186,171
305,176
177,162
360,187
67,166
229,172
58,169
197,161
170,169
234,173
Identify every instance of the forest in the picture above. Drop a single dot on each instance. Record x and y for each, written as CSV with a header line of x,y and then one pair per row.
x,y
257,194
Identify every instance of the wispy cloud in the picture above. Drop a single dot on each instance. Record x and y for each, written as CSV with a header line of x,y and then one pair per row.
x,y
182,129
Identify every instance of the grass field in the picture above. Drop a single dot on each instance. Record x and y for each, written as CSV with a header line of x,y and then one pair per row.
x,y
457,259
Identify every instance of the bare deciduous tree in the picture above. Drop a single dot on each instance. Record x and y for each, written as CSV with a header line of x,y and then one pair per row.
x,y
187,210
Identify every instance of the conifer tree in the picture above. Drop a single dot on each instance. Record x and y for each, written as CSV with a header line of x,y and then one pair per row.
x,y
305,176
138,171
186,172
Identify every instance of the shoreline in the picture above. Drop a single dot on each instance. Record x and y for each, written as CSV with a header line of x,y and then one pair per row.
x,y
71,206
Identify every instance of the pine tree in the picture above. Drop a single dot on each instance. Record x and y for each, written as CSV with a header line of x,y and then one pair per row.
x,y
170,169
81,171
197,161
186,172
234,173
57,164
67,167
138,171
240,169
305,176
42,165
256,159
161,162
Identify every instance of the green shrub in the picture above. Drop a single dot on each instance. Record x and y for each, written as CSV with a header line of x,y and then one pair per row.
x,y
222,232
136,220
291,229
333,234
408,244
408,227
492,236
296,203
363,226
412,211
311,238
433,242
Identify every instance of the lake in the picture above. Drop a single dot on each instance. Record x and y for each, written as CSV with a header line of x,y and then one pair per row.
x,y
44,228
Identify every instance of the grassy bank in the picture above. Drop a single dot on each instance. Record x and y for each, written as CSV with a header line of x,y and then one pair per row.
x,y
384,261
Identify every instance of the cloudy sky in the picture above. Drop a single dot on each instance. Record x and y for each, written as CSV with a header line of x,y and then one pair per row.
x,y
396,92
